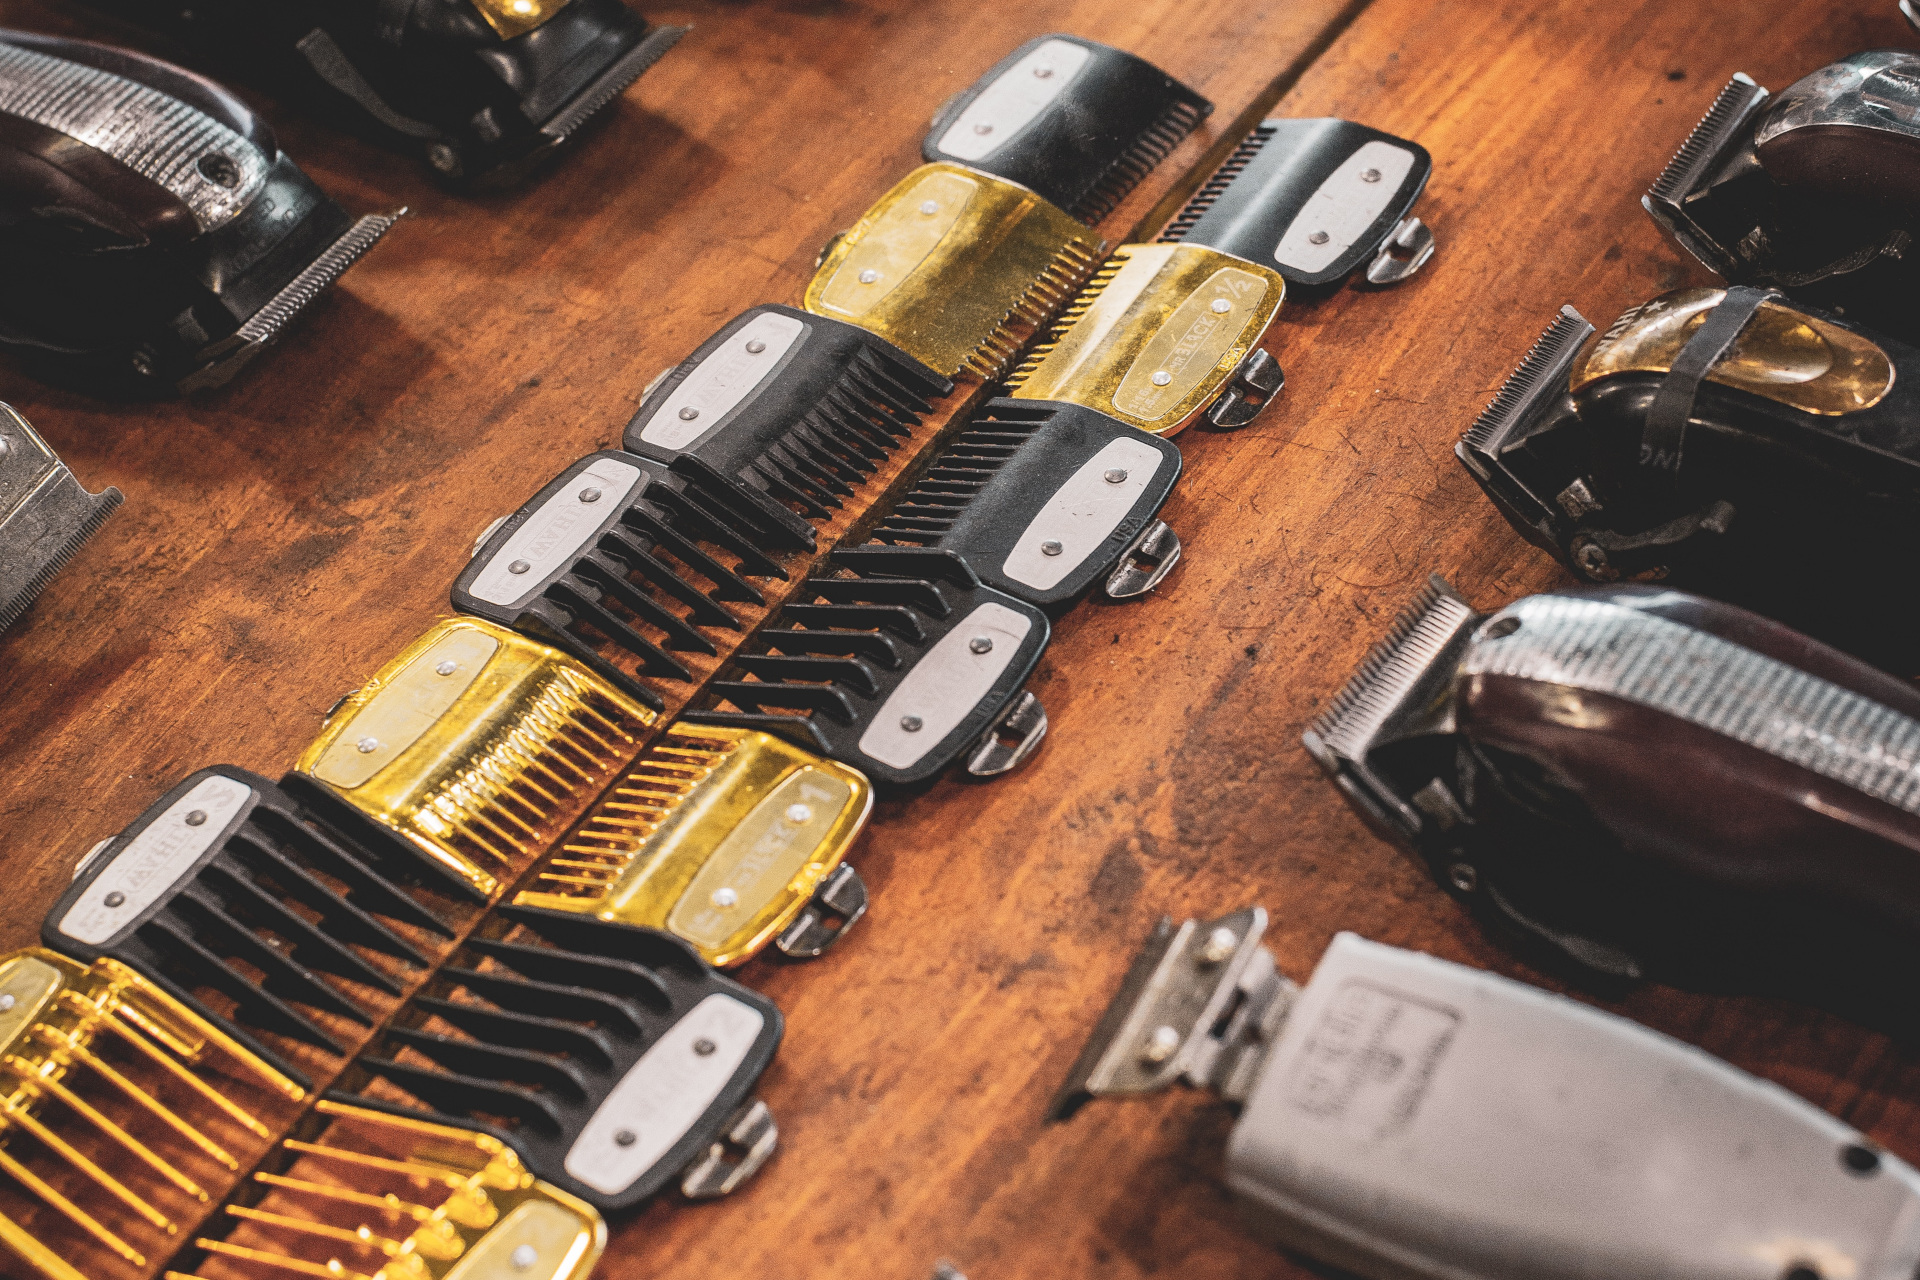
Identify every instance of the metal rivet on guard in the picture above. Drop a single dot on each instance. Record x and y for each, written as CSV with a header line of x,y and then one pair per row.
x,y
447,667
1043,73
983,129
1161,378
1371,175
523,1257
1220,945
724,897
799,813
755,347
197,817
6,1003
589,495
116,898
625,1138
1051,548
1318,237
869,276
911,723
518,566
1160,1045
1221,306
689,413
1114,475
704,1047
368,746
929,207
980,644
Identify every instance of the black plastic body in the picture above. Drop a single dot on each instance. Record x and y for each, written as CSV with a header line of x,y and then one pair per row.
x,y
627,591
828,410
556,1014
994,479
426,77
843,644
107,281
1249,204
278,898
1105,131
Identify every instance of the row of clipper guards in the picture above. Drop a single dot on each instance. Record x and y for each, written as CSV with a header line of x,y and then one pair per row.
x,y
153,236
483,91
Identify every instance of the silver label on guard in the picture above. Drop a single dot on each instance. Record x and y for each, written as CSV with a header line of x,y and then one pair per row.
x,y
945,686
554,534
1369,1059
664,1094
1011,102
1082,513
722,380
155,859
1344,207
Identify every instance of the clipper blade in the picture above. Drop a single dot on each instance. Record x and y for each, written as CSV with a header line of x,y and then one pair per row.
x,y
476,748
46,515
1542,373
1718,132
727,838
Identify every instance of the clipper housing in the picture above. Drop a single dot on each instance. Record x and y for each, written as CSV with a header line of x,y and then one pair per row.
x,y
46,515
1079,122
616,1058
956,268
476,748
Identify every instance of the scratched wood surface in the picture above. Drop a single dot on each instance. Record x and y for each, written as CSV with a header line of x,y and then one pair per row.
x,y
284,538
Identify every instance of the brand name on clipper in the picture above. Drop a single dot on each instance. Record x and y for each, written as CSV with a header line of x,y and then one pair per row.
x,y
154,859
1206,326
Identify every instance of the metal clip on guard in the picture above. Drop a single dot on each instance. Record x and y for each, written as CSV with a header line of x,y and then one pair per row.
x,y
1404,1118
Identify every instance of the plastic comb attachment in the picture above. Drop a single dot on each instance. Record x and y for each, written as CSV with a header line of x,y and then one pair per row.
x,y
610,1058
1041,499
46,515
783,414
955,267
229,889
1216,186
476,748
123,1116
374,1196
724,837
606,562
898,669
1077,121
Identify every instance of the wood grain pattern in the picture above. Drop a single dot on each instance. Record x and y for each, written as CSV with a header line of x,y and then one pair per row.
x,y
282,540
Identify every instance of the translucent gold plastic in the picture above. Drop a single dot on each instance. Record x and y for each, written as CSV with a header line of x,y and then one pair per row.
x,y
510,18
1783,354
483,767
718,835
1150,311
950,264
408,1200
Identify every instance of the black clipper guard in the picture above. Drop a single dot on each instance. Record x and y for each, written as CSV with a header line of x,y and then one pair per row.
x,y
1768,503
1813,192
1077,121
46,515
158,243
229,885
609,1056
483,90
898,670
1315,199
612,545
1042,499
784,411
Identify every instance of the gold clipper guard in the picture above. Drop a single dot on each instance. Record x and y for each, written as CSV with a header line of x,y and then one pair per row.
x,y
955,267
384,1197
478,747
119,1109
1162,335
723,837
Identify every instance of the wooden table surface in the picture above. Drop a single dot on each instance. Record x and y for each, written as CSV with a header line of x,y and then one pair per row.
x,y
283,538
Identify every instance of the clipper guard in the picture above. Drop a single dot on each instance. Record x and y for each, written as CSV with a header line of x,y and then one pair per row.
x,y
955,267
1315,200
153,237
609,1058
1163,335
46,515
896,675
1754,459
728,839
375,1196
123,1116
1044,500
483,91
781,414
475,748
1079,122
243,905
1646,783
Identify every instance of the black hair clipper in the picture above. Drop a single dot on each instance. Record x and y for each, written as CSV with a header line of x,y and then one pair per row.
x,y
1645,783
482,90
46,515
1815,191
230,888
607,563
153,236
1315,199
1075,120
781,413
1733,441
899,667
1043,499
610,1057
